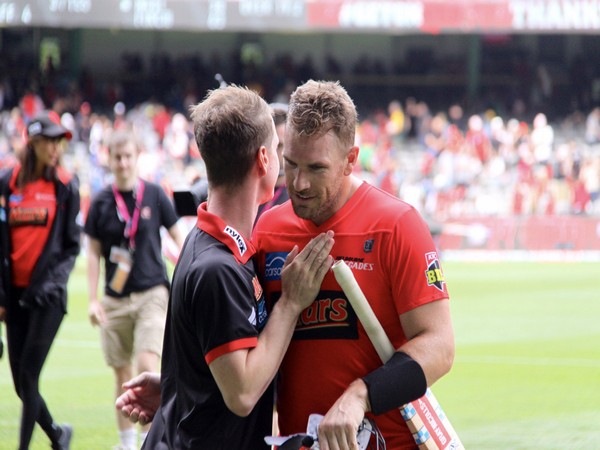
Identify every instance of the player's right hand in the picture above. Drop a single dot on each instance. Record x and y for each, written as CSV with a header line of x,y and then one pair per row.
x,y
96,313
338,428
303,272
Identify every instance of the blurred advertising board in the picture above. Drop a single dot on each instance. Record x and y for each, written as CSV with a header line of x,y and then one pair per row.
x,y
401,16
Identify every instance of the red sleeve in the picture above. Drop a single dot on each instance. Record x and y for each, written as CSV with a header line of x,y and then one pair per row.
x,y
413,261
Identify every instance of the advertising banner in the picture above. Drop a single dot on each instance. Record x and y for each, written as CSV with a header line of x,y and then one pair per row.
x,y
398,17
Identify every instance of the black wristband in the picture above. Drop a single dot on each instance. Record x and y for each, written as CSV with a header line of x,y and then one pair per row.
x,y
397,382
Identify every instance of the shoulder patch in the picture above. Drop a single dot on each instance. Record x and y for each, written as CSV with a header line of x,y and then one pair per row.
x,y
434,274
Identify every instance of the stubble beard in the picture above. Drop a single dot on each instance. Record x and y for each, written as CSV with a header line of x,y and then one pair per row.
x,y
319,213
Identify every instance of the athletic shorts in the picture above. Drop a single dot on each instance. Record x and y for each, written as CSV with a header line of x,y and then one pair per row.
x,y
135,323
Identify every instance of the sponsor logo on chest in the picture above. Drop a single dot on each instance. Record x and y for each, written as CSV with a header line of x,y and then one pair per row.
x,y
329,317
273,265
28,216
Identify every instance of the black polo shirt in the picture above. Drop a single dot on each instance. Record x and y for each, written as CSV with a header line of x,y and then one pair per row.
x,y
104,224
216,306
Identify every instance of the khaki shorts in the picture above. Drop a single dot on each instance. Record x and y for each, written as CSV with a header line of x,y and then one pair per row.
x,y
135,323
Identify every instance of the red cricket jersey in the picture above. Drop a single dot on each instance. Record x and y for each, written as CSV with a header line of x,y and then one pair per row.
x,y
32,211
391,253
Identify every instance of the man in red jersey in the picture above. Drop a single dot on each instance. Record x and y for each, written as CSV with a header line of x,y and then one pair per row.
x,y
331,367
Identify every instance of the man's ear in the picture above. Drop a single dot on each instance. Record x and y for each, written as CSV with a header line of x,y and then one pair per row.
x,y
262,160
351,160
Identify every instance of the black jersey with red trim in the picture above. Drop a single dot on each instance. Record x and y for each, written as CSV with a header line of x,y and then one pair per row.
x,y
216,307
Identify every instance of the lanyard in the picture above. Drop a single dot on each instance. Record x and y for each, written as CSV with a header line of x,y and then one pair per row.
x,y
131,224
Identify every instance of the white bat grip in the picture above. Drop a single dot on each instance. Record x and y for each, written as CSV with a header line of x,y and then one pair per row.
x,y
363,310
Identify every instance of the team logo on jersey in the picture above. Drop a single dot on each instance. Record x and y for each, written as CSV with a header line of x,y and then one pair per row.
x,y
259,314
146,213
258,290
237,237
368,247
28,216
273,265
434,274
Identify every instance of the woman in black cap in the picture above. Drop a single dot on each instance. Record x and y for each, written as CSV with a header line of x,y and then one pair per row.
x,y
39,242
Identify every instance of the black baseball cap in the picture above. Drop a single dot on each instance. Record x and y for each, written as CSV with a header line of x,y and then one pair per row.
x,y
47,124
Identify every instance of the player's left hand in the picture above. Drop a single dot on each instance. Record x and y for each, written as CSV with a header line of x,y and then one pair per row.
x,y
339,427
303,272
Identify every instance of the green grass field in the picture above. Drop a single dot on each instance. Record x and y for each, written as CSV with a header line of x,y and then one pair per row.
x,y
526,374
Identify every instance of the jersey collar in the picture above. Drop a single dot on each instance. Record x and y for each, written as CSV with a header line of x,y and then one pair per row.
x,y
241,247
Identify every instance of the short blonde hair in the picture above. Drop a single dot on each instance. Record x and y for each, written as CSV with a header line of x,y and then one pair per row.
x,y
318,107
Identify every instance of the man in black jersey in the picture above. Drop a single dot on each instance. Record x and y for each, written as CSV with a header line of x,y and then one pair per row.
x,y
220,353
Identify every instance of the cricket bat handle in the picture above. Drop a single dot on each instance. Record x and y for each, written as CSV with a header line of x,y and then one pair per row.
x,y
385,350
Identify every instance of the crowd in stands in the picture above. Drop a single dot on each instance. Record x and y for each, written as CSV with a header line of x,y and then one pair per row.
x,y
451,165
513,80
448,162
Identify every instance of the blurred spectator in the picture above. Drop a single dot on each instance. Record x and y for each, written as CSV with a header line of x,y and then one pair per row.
x,y
123,229
177,139
542,139
398,123
592,127
31,104
476,139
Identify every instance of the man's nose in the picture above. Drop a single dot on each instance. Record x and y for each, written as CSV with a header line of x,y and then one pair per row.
x,y
301,181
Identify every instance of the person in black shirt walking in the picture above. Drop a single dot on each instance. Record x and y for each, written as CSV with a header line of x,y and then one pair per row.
x,y
123,228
